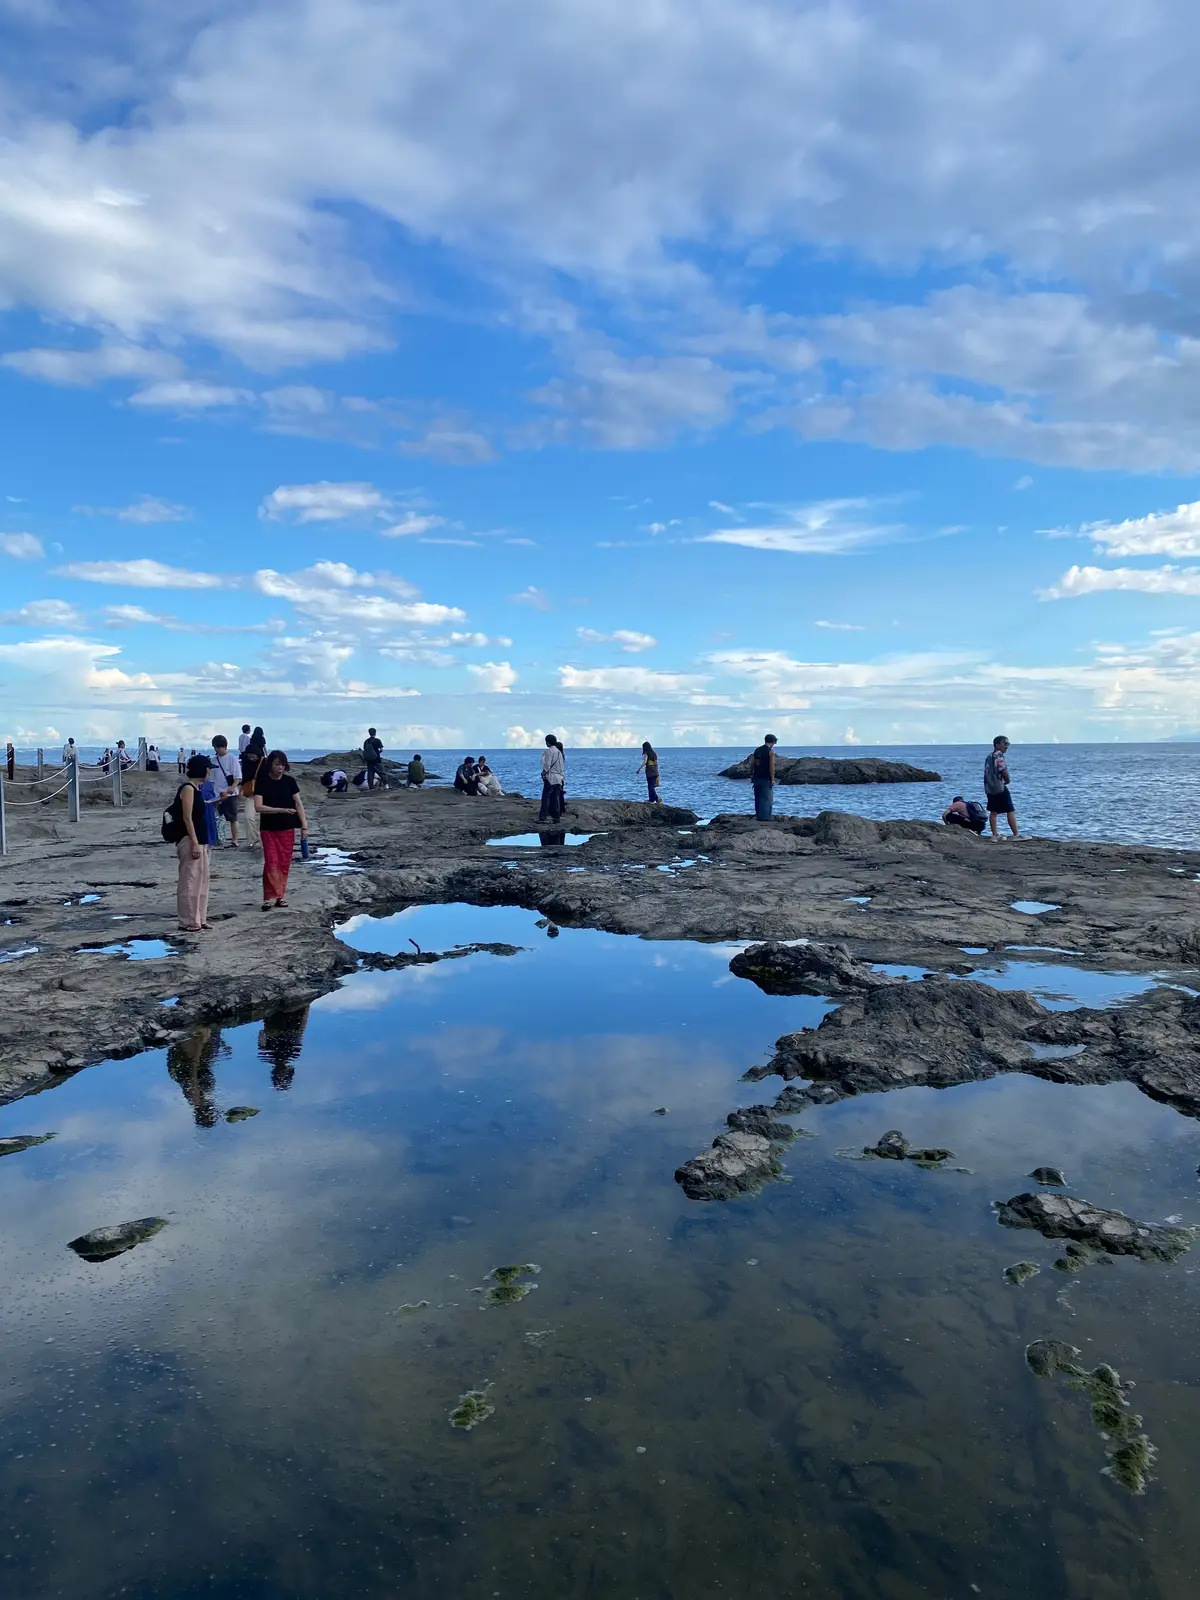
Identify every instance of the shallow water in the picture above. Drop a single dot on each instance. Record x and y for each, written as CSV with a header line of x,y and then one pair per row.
x,y
821,1390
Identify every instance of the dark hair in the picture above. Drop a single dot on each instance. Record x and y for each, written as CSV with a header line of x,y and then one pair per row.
x,y
278,755
197,767
647,747
550,739
245,727
770,738
259,734
371,733
417,757
1001,738
957,799
483,758
559,743
219,741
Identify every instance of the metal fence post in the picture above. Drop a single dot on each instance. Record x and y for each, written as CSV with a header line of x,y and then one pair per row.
x,y
41,763
73,790
3,822
116,778
141,755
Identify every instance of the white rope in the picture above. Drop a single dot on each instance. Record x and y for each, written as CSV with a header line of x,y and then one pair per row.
x,y
28,783
14,804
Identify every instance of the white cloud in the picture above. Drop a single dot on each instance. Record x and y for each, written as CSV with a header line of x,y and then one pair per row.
x,y
146,510
494,677
533,597
827,527
332,592
187,394
81,368
632,642
21,546
1078,581
453,446
1161,533
128,616
412,523
78,664
841,627
143,573
586,736
631,680
44,614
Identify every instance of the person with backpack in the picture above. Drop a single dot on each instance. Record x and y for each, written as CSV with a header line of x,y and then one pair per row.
x,y
373,759
968,814
252,758
649,764
995,784
190,824
762,776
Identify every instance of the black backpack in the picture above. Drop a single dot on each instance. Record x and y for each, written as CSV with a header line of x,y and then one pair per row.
x,y
173,828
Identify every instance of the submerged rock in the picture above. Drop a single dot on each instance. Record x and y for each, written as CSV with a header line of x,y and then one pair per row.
x,y
473,1408
1061,1216
824,769
1050,1175
376,961
806,969
509,1285
1130,1453
762,1120
1020,1271
17,1142
241,1113
101,1244
738,1163
891,1146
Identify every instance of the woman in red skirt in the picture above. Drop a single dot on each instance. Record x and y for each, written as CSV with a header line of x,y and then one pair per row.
x,y
280,810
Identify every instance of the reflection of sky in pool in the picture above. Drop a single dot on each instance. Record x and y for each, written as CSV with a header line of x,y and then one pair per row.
x,y
549,838
132,949
819,1390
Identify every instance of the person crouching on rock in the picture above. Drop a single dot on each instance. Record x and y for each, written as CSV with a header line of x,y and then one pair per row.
x,y
762,776
416,773
487,783
280,810
962,813
199,817
466,779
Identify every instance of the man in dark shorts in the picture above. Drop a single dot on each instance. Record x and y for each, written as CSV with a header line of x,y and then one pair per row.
x,y
995,784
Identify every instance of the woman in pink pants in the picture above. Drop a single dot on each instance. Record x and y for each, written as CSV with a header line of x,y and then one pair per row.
x,y
280,810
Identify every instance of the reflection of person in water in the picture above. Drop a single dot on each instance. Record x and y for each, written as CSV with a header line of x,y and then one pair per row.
x,y
280,1042
190,1063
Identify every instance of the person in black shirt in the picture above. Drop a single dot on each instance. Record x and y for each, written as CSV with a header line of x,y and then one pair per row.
x,y
762,776
373,759
280,811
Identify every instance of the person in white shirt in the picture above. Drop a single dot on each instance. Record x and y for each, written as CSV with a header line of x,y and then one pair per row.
x,y
244,738
69,752
487,780
553,769
229,785
152,758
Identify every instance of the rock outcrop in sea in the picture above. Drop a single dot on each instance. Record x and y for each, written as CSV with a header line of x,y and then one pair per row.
x,y
825,769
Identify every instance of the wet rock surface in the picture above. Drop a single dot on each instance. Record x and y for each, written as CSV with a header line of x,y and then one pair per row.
x,y
807,969
904,891
738,1163
1049,1175
23,1141
374,961
102,1244
1062,1216
791,770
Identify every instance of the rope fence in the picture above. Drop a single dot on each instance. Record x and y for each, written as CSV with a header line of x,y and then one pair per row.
x,y
72,789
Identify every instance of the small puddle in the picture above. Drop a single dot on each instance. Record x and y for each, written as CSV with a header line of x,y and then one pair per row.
x,y
1033,908
974,949
82,899
550,838
1056,1052
332,862
131,950
15,955
857,899
1066,988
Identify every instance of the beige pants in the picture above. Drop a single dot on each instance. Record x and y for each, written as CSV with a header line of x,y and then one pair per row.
x,y
250,821
191,893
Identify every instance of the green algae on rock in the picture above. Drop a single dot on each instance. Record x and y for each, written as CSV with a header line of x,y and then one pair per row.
x,y
1020,1271
1062,1216
241,1113
17,1142
1130,1453
508,1285
473,1408
101,1244
1049,1175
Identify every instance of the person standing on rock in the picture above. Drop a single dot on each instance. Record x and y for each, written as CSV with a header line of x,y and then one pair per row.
x,y
194,849
649,765
252,758
280,811
373,759
181,761
151,758
762,776
995,785
69,753
244,737
230,768
553,770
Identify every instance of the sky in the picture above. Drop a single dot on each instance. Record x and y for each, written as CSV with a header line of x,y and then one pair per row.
x,y
672,369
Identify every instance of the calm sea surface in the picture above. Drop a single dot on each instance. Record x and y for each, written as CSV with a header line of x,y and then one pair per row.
x,y
821,1390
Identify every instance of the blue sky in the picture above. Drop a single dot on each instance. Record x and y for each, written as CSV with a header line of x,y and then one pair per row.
x,y
629,370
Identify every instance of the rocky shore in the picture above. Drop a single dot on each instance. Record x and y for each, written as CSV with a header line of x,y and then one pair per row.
x,y
892,892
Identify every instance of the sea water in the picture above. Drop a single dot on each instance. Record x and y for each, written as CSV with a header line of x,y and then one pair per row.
x,y
820,1390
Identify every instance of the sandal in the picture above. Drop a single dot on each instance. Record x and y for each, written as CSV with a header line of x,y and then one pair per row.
x,y
183,929
266,905
281,903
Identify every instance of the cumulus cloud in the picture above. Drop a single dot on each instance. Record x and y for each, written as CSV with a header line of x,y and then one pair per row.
x,y
1077,581
332,592
494,677
78,664
631,680
632,642
827,527
1160,533
44,614
324,502
21,546
143,573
